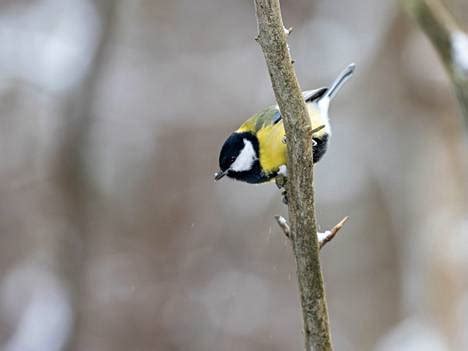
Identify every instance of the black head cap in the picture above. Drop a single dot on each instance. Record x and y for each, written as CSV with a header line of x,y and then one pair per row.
x,y
232,148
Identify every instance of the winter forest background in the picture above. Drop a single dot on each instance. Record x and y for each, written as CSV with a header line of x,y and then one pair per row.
x,y
113,235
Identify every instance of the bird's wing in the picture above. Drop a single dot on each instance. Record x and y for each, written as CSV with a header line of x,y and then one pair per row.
x,y
267,117
271,115
312,95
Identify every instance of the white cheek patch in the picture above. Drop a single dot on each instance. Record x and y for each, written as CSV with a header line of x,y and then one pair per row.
x,y
245,159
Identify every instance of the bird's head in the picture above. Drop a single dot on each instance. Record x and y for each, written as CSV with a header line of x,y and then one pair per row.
x,y
238,155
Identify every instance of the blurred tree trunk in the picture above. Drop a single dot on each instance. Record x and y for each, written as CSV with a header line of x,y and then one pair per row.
x,y
450,42
72,165
432,276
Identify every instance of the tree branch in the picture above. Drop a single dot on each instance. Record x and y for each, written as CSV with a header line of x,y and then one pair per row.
x,y
283,224
450,41
327,236
323,238
303,228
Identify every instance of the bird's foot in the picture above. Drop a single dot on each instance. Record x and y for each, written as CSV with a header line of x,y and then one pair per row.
x,y
284,199
281,180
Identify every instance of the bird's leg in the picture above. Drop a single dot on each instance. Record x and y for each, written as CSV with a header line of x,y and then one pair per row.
x,y
281,180
284,199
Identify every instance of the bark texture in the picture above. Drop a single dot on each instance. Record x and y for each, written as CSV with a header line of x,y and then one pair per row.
x,y
272,37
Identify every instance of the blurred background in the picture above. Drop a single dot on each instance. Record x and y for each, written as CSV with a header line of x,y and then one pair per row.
x,y
114,235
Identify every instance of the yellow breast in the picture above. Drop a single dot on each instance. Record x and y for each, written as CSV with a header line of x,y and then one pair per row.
x,y
273,151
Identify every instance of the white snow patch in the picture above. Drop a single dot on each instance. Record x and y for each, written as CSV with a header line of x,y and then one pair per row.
x,y
60,46
412,334
460,51
282,220
322,236
41,304
283,170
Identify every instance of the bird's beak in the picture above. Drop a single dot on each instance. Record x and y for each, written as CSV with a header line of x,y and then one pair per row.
x,y
220,174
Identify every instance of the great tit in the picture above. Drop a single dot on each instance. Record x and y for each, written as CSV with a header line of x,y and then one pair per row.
x,y
257,151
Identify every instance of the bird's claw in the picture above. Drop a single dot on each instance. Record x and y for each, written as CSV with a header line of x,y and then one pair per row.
x,y
281,181
284,199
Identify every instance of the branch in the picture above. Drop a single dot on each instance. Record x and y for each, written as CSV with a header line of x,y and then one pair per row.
x,y
283,224
448,39
323,238
326,237
303,228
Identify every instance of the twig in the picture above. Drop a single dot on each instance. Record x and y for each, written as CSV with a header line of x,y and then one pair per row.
x,y
450,41
313,131
326,237
283,223
300,192
323,238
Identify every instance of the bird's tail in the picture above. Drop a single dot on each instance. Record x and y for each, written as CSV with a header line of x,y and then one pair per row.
x,y
339,81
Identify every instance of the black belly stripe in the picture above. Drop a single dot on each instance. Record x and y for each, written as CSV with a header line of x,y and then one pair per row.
x,y
252,176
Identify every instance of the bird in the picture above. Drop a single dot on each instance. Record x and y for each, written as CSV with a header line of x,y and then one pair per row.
x,y
257,151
